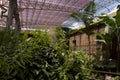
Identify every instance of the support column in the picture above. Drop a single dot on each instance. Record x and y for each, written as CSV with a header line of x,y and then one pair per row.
x,y
10,13
13,13
16,15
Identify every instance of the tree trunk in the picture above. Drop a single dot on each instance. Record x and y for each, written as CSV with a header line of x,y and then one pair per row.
x,y
118,50
89,46
80,37
13,12
10,13
16,15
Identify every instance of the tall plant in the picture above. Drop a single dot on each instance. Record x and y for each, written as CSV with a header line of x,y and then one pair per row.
x,y
9,45
61,39
86,16
111,36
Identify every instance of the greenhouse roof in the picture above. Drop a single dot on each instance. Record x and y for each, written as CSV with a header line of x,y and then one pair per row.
x,y
102,6
50,13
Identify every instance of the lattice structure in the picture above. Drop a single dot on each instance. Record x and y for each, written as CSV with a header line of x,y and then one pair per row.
x,y
106,6
102,6
35,13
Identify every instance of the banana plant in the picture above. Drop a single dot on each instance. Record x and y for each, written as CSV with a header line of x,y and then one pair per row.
x,y
111,36
86,16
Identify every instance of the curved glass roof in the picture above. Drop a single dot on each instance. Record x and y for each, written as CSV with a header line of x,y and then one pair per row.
x,y
50,13
102,6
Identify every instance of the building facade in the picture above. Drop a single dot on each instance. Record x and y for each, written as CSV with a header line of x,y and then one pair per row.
x,y
80,41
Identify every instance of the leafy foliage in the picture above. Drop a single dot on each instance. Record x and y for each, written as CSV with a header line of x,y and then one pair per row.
x,y
23,56
77,66
33,56
111,37
86,16
61,42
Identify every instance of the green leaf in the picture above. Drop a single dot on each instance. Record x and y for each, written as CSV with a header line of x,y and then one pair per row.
x,y
106,31
109,20
117,17
99,40
100,35
25,36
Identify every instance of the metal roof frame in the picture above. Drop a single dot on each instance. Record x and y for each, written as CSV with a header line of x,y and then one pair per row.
x,y
35,13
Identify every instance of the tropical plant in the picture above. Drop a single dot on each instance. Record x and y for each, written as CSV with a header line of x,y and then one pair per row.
x,y
44,59
77,66
27,58
33,56
111,36
86,16
61,40
9,44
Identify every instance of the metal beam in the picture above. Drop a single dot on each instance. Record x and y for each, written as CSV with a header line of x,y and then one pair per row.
x,y
48,6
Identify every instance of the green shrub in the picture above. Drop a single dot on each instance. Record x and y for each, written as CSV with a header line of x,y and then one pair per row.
x,y
35,57
77,66
26,58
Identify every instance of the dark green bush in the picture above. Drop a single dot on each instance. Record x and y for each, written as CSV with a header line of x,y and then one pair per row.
x,y
35,57
77,66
